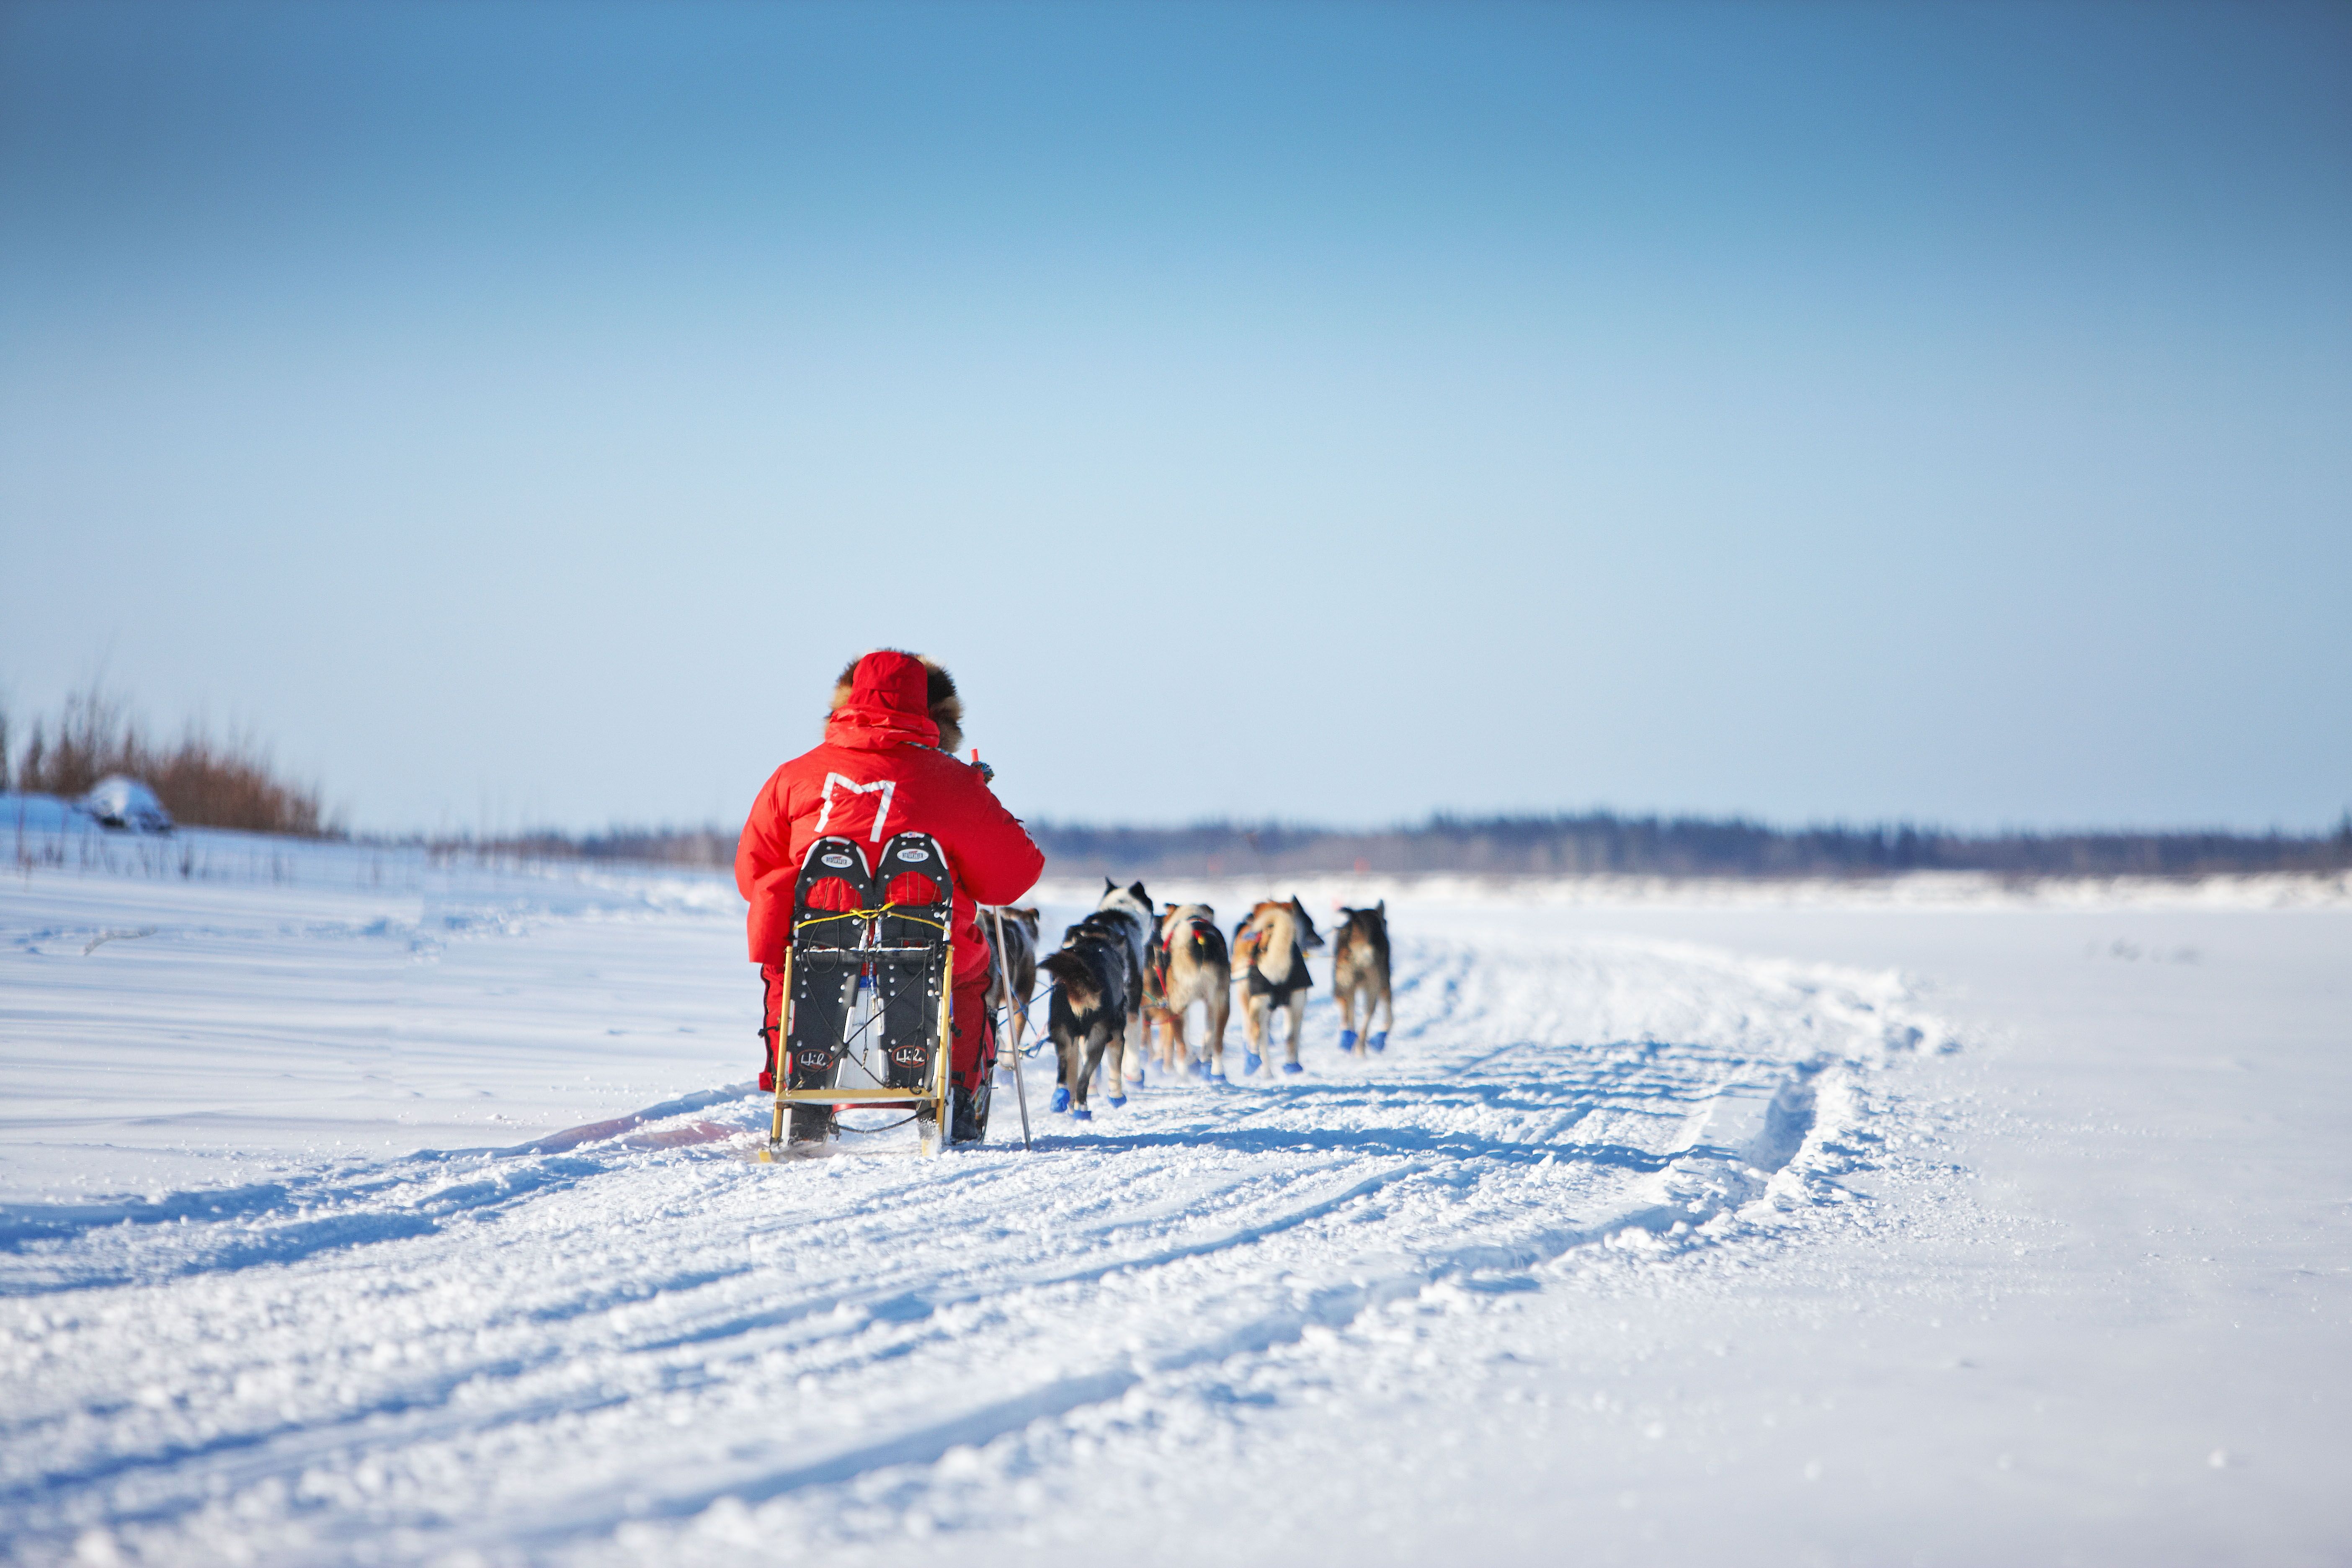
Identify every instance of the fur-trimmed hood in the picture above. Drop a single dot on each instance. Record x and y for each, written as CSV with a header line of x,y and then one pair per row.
x,y
938,701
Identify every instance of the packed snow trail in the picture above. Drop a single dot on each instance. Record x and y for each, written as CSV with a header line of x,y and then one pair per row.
x,y
534,1353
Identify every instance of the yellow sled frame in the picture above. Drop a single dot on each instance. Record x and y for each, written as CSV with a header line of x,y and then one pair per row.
x,y
936,1095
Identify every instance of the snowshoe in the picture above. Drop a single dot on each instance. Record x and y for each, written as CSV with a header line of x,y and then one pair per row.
x,y
824,965
910,955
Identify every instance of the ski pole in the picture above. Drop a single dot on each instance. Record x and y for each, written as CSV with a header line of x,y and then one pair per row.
x,y
1019,1088
1004,970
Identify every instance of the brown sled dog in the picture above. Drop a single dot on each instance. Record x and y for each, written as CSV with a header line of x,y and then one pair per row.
x,y
1016,962
1359,970
1188,964
1270,963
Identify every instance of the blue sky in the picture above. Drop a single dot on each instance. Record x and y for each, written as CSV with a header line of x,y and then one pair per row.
x,y
1335,413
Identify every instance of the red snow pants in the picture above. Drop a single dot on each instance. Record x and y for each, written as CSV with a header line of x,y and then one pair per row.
x,y
971,1029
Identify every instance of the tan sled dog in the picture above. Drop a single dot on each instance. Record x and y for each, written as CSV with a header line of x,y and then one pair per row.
x,y
1188,964
1270,963
1359,971
1016,961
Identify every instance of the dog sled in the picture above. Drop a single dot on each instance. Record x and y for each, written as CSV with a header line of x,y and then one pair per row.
x,y
868,988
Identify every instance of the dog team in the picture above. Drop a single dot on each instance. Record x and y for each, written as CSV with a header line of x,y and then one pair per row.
x,y
1125,983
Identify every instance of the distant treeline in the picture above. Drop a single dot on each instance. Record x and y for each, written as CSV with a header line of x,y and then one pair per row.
x,y
1594,843
653,845
202,782
1600,842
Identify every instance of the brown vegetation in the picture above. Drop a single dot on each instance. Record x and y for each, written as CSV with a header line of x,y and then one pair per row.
x,y
202,782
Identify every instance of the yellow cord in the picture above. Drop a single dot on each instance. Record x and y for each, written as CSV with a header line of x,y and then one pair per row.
x,y
892,910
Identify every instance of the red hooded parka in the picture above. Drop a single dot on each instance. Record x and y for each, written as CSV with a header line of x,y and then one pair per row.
x,y
881,772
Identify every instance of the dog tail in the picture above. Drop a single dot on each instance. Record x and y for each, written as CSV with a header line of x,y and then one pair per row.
x,y
1075,977
1276,948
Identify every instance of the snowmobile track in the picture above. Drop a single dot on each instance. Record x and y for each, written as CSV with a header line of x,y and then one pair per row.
x,y
518,1351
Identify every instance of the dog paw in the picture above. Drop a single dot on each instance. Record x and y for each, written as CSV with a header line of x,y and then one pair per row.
x,y
1292,1066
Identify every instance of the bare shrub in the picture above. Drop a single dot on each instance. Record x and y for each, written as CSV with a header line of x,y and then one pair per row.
x,y
202,782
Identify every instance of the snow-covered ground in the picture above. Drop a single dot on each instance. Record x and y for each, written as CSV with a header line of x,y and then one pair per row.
x,y
1938,1222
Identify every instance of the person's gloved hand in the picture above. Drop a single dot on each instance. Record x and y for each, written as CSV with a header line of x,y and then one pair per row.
x,y
987,774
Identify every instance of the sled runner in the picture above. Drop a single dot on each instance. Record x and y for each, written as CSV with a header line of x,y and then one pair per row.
x,y
868,994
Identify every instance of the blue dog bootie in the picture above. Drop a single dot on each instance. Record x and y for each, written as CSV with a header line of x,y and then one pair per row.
x,y
1292,1066
1061,1097
1080,1114
1379,1042
1249,1062
1114,1100
1347,1041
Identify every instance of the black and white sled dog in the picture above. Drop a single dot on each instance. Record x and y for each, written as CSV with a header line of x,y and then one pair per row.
x,y
1097,989
1270,961
1187,964
1130,908
1013,977
1359,970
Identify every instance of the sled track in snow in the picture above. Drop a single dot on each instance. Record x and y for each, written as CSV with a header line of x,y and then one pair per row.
x,y
520,1352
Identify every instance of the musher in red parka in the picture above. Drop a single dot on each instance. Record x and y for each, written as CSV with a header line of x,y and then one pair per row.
x,y
896,721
